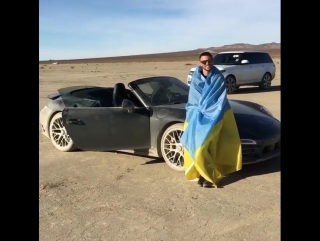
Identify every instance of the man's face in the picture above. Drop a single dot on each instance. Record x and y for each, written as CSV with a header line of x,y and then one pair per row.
x,y
206,62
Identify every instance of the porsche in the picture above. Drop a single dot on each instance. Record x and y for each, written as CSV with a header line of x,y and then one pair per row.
x,y
146,118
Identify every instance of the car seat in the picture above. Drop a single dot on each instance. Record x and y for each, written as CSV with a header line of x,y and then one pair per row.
x,y
119,94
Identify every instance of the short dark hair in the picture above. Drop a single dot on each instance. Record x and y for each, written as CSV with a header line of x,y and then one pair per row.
x,y
205,53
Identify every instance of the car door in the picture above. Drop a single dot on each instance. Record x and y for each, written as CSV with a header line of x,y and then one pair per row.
x,y
249,71
267,65
107,128
258,66
236,68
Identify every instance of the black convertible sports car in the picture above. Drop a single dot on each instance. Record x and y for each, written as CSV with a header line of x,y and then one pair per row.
x,y
146,119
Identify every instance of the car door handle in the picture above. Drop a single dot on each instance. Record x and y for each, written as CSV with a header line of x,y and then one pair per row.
x,y
74,122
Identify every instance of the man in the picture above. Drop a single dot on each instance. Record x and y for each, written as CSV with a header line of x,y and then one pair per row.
x,y
212,146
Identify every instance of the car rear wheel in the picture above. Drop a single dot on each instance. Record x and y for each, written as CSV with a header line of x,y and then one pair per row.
x,y
171,148
59,136
231,84
265,82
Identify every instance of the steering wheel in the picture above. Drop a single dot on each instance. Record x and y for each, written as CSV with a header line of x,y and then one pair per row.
x,y
175,97
159,95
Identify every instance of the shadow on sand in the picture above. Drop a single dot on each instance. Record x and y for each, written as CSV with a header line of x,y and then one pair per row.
x,y
270,166
154,161
256,90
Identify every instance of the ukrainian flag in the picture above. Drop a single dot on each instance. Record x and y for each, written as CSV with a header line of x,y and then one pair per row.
x,y
212,146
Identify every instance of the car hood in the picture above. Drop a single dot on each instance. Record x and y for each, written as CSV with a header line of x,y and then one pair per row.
x,y
238,107
251,121
225,67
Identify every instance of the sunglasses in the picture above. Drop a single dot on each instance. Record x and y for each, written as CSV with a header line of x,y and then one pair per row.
x,y
208,61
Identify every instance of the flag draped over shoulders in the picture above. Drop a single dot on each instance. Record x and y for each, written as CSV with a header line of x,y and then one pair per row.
x,y
212,146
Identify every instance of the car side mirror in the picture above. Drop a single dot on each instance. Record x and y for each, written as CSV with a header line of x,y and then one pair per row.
x,y
244,61
127,105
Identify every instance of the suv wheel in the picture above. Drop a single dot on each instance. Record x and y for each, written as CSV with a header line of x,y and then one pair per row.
x,y
231,84
265,82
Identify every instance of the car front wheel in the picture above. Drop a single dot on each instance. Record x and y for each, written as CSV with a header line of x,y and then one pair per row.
x,y
59,136
171,148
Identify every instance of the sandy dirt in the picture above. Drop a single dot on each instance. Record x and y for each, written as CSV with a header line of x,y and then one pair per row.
x,y
108,196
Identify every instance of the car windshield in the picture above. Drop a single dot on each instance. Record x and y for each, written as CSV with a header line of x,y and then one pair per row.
x,y
227,59
163,90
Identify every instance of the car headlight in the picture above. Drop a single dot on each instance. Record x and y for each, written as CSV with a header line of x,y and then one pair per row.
x,y
264,109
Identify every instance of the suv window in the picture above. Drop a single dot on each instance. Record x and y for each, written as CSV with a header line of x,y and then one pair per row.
x,y
227,59
266,58
250,57
257,58
260,58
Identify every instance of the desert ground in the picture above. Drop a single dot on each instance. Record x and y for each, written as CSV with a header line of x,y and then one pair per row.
x,y
109,196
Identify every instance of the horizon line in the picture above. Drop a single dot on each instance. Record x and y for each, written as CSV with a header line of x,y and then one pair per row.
x,y
121,56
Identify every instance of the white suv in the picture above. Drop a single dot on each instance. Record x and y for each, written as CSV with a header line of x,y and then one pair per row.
x,y
241,68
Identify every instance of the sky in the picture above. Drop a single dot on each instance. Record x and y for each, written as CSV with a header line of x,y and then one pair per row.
x,y
72,29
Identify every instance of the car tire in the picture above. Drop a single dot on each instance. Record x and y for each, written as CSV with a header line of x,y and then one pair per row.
x,y
171,149
231,84
59,136
265,82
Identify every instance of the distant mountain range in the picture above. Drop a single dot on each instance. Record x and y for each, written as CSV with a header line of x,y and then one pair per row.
x,y
243,46
273,48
